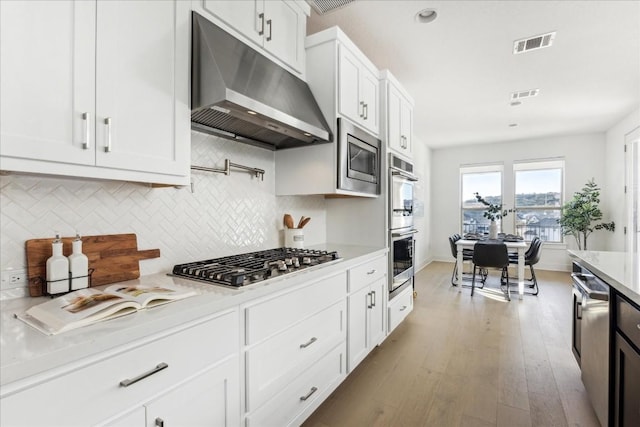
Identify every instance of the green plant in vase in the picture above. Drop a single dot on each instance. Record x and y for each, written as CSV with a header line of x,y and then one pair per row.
x,y
494,212
579,213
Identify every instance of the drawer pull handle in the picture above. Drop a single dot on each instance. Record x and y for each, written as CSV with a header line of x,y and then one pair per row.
x,y
372,271
128,382
308,395
159,422
404,307
308,343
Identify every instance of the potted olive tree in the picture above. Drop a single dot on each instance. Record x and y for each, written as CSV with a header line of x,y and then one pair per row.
x,y
579,213
492,213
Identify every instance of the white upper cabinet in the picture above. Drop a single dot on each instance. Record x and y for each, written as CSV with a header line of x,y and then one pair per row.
x,y
358,92
399,116
106,97
276,26
354,92
47,83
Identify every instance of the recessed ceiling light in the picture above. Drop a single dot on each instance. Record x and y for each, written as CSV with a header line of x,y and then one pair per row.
x,y
512,125
426,15
251,112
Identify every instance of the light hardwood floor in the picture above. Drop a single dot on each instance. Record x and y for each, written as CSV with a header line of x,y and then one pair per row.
x,y
463,361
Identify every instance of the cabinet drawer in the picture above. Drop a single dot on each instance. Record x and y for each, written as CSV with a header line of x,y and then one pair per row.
x,y
628,320
303,394
367,273
400,307
93,393
274,363
284,310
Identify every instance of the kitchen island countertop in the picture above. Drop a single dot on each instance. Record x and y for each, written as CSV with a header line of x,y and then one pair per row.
x,y
619,269
25,352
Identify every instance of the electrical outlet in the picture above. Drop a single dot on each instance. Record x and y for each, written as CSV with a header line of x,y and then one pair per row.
x,y
14,278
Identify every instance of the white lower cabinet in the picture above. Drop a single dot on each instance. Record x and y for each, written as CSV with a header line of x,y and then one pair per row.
x,y
296,351
400,307
367,301
113,389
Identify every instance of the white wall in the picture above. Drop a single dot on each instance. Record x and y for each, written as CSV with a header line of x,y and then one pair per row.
x,y
583,155
422,213
614,197
223,215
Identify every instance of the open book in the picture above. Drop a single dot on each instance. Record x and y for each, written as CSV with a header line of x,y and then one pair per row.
x,y
87,306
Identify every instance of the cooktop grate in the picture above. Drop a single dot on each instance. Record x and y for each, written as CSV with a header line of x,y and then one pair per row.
x,y
254,267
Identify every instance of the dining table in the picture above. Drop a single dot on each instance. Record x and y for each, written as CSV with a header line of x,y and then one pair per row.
x,y
519,246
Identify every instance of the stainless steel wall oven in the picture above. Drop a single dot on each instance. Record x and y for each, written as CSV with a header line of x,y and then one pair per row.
x,y
401,230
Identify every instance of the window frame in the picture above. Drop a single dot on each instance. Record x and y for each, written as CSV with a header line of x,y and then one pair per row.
x,y
539,165
477,169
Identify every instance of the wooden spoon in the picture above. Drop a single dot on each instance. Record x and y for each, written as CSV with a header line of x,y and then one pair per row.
x,y
304,222
301,221
288,221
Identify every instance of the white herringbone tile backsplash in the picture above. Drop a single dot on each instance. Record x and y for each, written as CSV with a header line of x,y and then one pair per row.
x,y
223,215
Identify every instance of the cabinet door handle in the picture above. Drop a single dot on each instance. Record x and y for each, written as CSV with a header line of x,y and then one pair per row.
x,y
362,113
308,395
85,118
373,298
365,110
128,382
269,37
261,17
369,300
159,422
308,343
372,271
404,307
107,122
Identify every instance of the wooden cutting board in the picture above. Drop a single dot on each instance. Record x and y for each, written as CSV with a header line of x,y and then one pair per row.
x,y
113,258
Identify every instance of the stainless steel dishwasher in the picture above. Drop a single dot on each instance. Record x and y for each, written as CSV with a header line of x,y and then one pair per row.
x,y
594,342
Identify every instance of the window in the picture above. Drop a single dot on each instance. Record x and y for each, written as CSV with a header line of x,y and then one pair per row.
x,y
487,181
538,199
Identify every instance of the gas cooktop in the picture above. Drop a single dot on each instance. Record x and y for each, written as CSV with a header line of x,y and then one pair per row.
x,y
254,267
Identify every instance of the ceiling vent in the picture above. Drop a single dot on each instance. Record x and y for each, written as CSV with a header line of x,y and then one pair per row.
x,y
515,96
324,6
533,43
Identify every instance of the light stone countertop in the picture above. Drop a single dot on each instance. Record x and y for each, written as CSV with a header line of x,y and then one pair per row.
x,y
621,270
25,352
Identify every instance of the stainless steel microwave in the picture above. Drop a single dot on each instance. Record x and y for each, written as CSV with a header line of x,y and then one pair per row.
x,y
359,159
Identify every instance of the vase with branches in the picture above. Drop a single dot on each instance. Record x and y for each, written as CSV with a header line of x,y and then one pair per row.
x,y
492,213
579,213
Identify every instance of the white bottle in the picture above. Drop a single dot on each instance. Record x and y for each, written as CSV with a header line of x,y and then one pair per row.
x,y
78,266
57,269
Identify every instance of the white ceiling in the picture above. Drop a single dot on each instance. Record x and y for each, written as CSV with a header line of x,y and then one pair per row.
x,y
461,71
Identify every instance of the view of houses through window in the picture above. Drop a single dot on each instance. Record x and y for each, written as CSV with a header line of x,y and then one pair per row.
x,y
537,198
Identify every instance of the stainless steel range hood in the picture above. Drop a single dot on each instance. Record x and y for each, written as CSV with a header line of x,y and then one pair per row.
x,y
238,93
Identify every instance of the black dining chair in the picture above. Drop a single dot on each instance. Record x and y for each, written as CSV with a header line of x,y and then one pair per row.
x,y
531,258
467,255
491,255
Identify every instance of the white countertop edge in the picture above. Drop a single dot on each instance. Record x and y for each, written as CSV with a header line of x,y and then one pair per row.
x,y
25,352
615,268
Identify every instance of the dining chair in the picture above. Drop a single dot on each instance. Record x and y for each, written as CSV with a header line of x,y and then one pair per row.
x,y
531,258
491,255
467,255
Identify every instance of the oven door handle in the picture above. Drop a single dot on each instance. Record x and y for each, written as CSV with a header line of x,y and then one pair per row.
x,y
404,174
406,233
